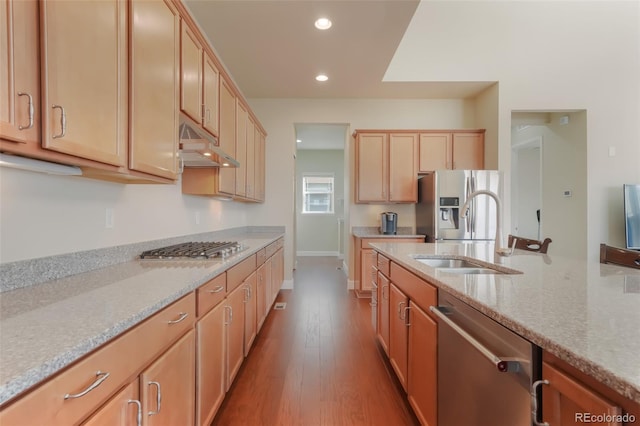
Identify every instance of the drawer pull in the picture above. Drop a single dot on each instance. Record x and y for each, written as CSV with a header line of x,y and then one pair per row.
x,y
158,399
139,411
101,377
183,315
216,290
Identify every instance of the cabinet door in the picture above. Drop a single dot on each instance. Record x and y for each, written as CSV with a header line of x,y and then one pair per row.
x,y
211,79
242,116
435,152
235,333
251,159
250,312
468,151
122,410
268,275
84,93
372,173
564,397
383,311
260,165
261,295
227,139
210,367
403,172
155,70
366,262
19,71
423,366
398,333
191,75
168,386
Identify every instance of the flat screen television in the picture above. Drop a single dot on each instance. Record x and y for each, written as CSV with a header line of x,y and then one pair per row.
x,y
632,215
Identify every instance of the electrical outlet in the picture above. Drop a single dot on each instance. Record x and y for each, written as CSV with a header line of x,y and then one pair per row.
x,y
109,218
197,217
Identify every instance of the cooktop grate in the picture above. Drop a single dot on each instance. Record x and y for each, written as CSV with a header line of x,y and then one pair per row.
x,y
193,250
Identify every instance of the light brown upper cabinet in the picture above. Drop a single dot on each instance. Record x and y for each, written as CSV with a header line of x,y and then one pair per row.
x,y
191,73
462,150
242,115
19,72
155,85
84,75
386,170
251,159
260,164
227,138
210,95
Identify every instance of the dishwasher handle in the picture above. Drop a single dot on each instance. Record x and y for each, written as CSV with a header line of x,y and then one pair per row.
x,y
503,365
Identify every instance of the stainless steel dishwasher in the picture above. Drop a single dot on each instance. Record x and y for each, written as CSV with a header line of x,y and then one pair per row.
x,y
485,371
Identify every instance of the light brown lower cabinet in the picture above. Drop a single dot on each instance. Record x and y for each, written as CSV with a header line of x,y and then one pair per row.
x,y
123,409
262,287
167,387
399,333
422,365
234,306
211,349
250,312
383,312
570,397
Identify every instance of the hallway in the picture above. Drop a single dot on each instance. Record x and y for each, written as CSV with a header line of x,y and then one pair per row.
x,y
316,362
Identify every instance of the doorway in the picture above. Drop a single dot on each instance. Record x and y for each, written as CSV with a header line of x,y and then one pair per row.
x,y
320,189
526,187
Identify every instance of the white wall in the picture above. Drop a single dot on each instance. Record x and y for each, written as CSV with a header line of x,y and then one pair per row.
x,y
546,55
43,215
278,117
318,233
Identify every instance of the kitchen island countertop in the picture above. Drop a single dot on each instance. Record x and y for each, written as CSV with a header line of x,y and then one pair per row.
x,y
584,312
46,327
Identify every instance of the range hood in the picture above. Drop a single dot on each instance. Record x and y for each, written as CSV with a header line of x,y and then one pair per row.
x,y
200,149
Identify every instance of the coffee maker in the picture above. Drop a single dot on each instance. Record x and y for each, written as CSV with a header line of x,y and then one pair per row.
x,y
389,223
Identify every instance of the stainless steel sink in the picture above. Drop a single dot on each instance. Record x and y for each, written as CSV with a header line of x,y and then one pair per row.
x,y
456,266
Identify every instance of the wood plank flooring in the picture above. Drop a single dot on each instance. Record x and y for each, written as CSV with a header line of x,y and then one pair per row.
x,y
317,361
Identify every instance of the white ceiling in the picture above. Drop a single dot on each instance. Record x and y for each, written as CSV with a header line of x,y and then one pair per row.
x,y
272,50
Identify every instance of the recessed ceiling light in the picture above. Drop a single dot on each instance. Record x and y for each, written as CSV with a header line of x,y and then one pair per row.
x,y
323,24
298,140
322,77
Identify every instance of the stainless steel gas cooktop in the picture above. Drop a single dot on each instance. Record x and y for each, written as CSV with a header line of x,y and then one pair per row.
x,y
194,250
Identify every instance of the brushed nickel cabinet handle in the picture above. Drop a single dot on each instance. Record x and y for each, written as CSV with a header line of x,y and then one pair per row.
x,y
139,410
400,310
100,377
63,121
183,315
158,399
31,111
406,316
218,289
534,402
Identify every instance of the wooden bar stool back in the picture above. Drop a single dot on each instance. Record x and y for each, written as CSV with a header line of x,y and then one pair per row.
x,y
619,256
529,244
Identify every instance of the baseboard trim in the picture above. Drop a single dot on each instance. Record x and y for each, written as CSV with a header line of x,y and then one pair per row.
x,y
317,253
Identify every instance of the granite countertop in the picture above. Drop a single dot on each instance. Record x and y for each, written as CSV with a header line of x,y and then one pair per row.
x,y
47,326
586,313
374,232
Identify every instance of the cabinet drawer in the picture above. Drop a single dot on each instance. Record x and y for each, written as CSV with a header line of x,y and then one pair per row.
x,y
383,264
108,368
418,290
367,241
271,249
237,274
211,293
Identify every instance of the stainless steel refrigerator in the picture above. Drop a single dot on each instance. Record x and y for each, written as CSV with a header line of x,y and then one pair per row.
x,y
440,197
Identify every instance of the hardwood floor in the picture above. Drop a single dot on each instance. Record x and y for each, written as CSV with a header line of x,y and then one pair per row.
x,y
316,362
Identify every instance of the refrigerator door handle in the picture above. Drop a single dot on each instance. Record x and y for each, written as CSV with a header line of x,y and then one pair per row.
x,y
468,191
473,208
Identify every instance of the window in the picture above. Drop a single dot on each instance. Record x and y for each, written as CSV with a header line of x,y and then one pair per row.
x,y
317,194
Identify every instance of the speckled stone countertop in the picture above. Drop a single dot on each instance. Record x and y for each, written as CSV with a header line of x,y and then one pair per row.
x,y
47,326
586,313
374,232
